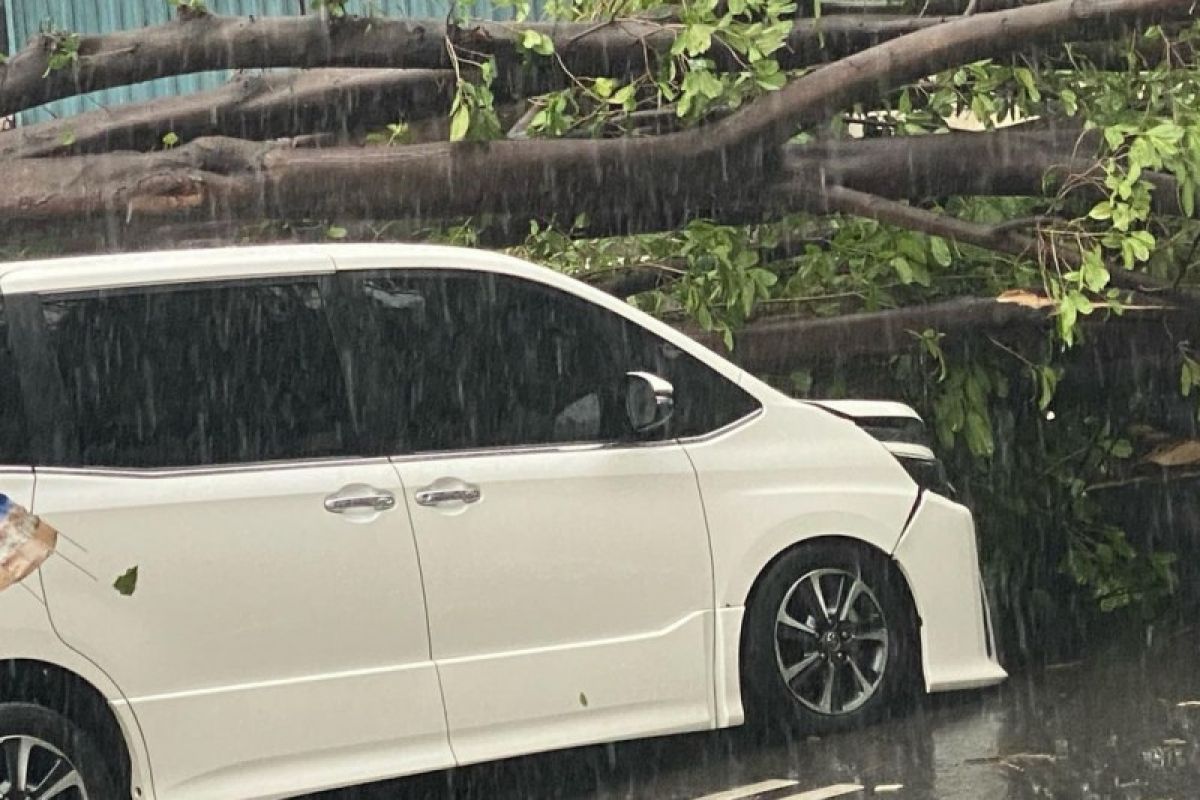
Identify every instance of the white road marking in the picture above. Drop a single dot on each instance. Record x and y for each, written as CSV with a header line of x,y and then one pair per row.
x,y
749,790
755,789
837,790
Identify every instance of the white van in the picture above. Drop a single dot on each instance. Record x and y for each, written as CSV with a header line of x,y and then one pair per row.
x,y
399,508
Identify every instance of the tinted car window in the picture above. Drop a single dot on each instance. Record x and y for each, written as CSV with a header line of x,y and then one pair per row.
x,y
460,360
195,375
14,444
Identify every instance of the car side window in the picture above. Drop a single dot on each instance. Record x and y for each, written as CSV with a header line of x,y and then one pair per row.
x,y
453,360
199,374
14,441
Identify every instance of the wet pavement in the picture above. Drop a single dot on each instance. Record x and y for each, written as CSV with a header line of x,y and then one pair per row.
x,y
1123,724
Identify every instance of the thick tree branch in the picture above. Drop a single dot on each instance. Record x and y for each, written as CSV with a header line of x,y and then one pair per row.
x,y
1023,161
779,344
195,43
248,107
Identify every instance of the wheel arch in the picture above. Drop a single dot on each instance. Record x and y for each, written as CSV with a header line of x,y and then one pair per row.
x,y
59,689
866,548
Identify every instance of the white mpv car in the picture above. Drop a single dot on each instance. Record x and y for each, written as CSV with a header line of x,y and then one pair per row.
x,y
400,508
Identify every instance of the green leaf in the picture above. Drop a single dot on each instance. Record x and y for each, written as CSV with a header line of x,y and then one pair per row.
x,y
903,269
704,83
170,139
626,96
67,139
1093,272
1048,383
940,250
126,583
604,87
693,40
1025,77
536,42
336,232
460,123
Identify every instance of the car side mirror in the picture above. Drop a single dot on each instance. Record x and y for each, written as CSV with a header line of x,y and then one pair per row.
x,y
649,401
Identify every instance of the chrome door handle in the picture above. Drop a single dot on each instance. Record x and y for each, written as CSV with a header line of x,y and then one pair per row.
x,y
359,496
434,495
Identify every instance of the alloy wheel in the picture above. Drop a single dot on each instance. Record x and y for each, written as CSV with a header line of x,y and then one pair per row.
x,y
831,641
31,769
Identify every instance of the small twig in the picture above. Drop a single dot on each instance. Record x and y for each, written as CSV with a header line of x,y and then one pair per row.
x,y
1021,222
1163,475
519,130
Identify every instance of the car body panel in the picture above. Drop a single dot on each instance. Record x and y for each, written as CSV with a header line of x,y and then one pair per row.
x,y
253,604
791,473
572,601
938,557
28,635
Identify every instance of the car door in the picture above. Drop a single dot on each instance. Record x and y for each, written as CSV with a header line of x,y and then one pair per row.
x,y
566,564
274,640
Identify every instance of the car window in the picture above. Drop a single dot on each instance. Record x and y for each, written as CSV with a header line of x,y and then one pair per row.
x,y
200,374
459,360
14,442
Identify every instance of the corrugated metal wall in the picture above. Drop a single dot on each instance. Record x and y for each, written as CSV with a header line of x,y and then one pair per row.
x,y
27,17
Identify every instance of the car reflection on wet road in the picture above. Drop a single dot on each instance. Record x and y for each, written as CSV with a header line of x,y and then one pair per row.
x,y
1123,724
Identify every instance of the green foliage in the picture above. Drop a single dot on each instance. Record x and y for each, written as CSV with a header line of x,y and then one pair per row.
x,y
395,133
335,9
170,139
193,7
63,48
1189,375
537,43
725,278
520,8
473,111
687,80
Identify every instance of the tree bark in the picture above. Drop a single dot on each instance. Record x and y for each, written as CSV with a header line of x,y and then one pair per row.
x,y
196,43
336,101
1021,161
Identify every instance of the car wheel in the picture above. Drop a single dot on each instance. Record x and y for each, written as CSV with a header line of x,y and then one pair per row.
x,y
45,756
830,641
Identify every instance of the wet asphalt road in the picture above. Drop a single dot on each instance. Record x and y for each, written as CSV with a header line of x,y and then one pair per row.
x,y
1124,724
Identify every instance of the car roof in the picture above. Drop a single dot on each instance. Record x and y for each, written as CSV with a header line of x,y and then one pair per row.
x,y
178,266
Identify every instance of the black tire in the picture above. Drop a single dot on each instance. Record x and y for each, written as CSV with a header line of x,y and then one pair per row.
x,y
771,647
54,732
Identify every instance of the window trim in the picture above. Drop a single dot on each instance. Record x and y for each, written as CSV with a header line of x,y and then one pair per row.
x,y
581,447
149,473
